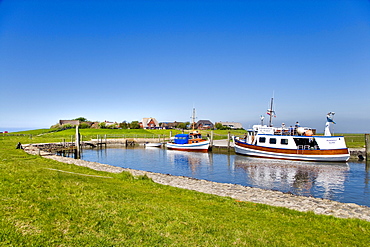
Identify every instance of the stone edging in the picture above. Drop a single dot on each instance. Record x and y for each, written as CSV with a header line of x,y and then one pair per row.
x,y
238,192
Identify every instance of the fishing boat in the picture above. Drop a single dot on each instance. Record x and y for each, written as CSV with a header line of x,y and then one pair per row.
x,y
189,142
293,143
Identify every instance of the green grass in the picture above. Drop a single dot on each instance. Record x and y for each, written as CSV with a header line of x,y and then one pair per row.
x,y
43,207
354,140
45,135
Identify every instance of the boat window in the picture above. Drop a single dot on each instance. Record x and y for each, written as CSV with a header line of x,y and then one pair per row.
x,y
272,140
284,141
262,139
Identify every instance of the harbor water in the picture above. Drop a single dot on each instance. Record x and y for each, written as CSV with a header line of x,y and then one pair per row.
x,y
343,182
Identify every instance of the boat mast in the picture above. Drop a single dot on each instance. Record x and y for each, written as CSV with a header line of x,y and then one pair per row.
x,y
270,111
193,119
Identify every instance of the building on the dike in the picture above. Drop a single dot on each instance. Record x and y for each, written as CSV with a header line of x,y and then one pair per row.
x,y
76,123
170,125
204,125
231,125
149,123
71,122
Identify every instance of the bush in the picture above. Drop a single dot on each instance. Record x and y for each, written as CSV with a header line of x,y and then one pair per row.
x,y
84,126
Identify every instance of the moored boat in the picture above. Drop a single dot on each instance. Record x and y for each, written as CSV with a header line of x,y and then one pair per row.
x,y
294,143
153,144
189,142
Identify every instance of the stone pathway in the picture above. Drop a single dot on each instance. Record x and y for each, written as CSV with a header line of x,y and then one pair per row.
x,y
238,192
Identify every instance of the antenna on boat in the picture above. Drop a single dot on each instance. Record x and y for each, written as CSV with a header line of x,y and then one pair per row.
x,y
262,118
271,112
193,119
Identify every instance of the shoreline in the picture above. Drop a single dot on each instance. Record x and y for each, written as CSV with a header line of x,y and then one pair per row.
x,y
237,192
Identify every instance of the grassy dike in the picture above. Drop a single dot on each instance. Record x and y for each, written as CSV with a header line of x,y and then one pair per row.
x,y
43,207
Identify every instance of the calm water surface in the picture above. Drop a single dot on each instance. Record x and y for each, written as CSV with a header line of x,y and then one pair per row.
x,y
343,182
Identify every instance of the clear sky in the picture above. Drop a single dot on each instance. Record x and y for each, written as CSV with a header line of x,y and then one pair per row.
x,y
126,60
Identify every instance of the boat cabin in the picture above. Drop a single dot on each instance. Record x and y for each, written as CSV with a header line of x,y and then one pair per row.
x,y
188,138
181,139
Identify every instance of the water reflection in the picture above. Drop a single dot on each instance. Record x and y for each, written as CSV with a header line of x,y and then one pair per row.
x,y
293,176
192,161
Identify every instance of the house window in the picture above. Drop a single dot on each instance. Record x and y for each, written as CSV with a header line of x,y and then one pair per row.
x,y
284,141
262,139
272,140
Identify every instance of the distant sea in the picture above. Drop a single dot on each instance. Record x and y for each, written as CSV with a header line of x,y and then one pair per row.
x,y
2,129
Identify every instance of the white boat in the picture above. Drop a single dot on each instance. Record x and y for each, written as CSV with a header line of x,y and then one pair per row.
x,y
153,144
294,143
189,142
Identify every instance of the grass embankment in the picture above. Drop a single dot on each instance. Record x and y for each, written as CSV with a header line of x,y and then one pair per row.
x,y
43,207
354,140
44,135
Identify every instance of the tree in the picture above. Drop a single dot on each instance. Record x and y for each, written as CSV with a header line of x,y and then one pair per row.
x,y
123,125
219,126
135,125
84,126
102,125
181,125
81,119
188,125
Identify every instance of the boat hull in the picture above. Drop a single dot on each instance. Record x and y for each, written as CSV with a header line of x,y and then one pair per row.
x,y
328,155
193,147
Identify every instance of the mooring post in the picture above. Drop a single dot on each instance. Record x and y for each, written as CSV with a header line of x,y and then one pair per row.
x,y
78,145
211,141
367,146
228,141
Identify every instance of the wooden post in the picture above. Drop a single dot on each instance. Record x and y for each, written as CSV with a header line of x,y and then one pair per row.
x,y
228,141
367,146
78,144
211,141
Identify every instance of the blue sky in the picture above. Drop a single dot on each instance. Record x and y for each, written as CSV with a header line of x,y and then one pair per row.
x,y
126,60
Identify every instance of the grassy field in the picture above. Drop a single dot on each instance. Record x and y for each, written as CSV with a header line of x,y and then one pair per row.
x,y
354,140
44,207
